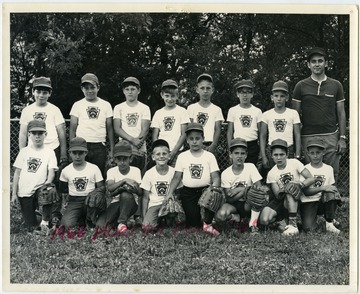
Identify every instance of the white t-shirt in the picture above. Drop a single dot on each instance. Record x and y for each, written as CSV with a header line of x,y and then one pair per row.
x,y
245,121
207,117
323,176
92,119
115,175
81,182
291,172
34,165
131,117
196,170
169,123
281,125
52,117
248,176
157,184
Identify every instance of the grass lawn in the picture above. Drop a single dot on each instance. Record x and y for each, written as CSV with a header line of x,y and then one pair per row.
x,y
181,256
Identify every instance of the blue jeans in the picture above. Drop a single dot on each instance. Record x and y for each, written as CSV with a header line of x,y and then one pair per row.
x,y
97,154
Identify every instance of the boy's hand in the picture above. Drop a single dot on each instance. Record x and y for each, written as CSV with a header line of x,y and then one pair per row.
x,y
330,188
14,200
265,162
137,142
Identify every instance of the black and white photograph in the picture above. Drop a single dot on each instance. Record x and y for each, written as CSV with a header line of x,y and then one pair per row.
x,y
180,147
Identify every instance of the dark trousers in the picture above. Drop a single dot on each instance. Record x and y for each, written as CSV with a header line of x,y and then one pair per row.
x,y
189,199
77,213
253,150
97,154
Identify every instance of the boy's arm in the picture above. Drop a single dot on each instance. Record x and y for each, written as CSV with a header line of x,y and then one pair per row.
x,y
155,134
74,121
229,132
22,136
110,133
14,198
309,191
61,131
179,143
276,190
50,176
215,179
309,179
99,184
145,126
340,110
121,133
217,133
112,186
174,184
263,139
145,202
297,139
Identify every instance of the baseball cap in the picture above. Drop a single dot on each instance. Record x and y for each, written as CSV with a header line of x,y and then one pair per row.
x,y
238,142
160,142
204,76
78,144
193,126
315,142
36,125
169,83
280,86
123,148
278,143
90,78
131,80
42,82
316,50
244,84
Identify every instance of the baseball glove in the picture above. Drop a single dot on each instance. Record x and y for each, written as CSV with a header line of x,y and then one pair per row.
x,y
212,198
96,198
294,190
47,194
125,187
257,197
329,196
170,206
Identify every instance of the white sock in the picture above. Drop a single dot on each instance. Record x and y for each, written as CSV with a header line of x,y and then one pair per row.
x,y
254,218
45,223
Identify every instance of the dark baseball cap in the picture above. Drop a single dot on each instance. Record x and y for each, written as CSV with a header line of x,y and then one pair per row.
x,y
280,86
42,82
204,76
123,148
315,142
160,142
244,84
78,144
194,126
169,83
36,125
90,78
278,143
316,50
131,80
238,142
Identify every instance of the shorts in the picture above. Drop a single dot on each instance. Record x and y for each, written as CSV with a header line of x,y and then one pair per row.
x,y
240,209
278,206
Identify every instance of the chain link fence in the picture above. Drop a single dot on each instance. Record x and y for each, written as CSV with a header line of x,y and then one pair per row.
x,y
222,155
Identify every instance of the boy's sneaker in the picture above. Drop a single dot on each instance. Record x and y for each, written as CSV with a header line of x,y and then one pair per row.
x,y
331,228
235,218
122,228
42,229
336,223
138,221
209,228
254,230
282,225
290,230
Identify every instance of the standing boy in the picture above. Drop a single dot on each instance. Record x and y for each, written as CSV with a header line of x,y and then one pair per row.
x,y
169,123
43,110
91,119
198,169
285,171
234,180
123,182
155,185
279,123
78,179
244,120
34,166
311,204
206,113
132,121
320,102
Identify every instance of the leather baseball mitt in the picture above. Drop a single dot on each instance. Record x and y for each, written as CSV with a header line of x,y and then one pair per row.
x,y
294,190
329,196
47,194
170,206
212,198
96,198
257,197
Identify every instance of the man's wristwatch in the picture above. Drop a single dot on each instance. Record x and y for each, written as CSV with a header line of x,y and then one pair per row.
x,y
343,137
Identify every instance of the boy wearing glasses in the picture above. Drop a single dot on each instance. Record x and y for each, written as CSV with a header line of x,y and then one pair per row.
x,y
244,120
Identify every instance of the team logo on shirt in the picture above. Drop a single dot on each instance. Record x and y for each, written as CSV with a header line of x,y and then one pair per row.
x,y
169,122
286,178
33,164
319,181
132,119
202,118
246,121
239,184
196,171
40,116
161,188
80,184
280,125
93,112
